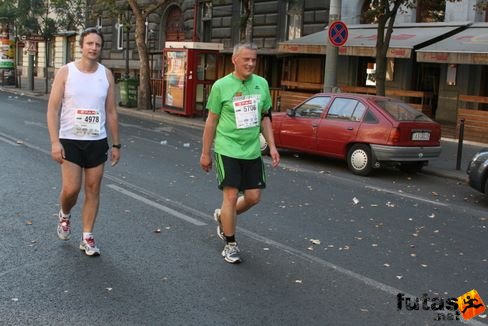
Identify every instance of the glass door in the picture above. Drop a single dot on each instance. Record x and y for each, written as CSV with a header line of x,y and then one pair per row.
x,y
174,78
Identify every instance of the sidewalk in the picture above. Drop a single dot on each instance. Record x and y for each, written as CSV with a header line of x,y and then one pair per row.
x,y
445,166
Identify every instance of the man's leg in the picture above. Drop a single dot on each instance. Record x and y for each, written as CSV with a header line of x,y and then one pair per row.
x,y
251,197
228,211
93,181
71,185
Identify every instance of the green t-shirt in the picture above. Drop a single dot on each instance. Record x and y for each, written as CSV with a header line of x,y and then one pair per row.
x,y
239,105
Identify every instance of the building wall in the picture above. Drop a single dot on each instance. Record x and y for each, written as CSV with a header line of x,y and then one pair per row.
x,y
463,11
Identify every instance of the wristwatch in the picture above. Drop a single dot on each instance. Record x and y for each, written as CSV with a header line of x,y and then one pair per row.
x,y
119,146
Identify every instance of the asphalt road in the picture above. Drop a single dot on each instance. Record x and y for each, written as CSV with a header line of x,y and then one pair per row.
x,y
324,247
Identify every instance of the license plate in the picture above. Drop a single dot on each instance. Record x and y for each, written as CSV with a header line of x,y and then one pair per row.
x,y
421,135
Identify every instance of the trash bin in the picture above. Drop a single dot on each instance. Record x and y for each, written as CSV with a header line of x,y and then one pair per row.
x,y
128,92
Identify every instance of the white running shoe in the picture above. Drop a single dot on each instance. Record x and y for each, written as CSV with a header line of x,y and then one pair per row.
x,y
231,253
220,230
88,245
64,227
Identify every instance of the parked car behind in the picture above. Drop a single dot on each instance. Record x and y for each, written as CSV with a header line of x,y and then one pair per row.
x,y
478,171
365,130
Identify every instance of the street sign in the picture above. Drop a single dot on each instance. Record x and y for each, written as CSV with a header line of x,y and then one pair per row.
x,y
35,38
32,48
338,33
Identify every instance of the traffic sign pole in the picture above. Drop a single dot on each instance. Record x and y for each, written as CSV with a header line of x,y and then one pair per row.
x,y
330,77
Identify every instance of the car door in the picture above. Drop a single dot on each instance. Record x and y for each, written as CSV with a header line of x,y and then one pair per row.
x,y
339,126
299,130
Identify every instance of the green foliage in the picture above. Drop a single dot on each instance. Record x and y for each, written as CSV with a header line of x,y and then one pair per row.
x,y
36,16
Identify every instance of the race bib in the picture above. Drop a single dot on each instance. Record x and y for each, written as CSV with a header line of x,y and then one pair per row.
x,y
246,111
87,122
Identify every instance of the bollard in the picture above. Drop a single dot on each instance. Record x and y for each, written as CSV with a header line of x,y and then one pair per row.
x,y
460,144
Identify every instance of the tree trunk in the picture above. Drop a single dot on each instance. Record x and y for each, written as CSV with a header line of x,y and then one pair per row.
x,y
144,94
380,73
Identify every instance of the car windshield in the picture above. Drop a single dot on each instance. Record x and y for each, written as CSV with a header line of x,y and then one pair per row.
x,y
402,111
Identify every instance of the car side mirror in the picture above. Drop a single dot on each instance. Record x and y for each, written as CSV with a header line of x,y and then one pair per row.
x,y
290,112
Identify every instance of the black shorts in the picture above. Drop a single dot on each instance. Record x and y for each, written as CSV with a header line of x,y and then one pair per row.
x,y
86,153
239,173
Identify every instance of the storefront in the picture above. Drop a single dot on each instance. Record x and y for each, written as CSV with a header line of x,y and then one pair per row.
x,y
463,91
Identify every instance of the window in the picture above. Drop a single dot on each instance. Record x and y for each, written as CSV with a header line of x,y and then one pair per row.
x,y
346,109
294,19
313,108
358,112
120,35
370,118
99,22
402,111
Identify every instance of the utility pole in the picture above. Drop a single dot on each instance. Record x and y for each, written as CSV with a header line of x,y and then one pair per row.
x,y
330,77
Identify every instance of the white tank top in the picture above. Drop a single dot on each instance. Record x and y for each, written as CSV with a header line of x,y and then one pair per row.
x,y
83,108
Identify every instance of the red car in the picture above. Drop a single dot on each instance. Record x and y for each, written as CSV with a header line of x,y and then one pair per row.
x,y
367,131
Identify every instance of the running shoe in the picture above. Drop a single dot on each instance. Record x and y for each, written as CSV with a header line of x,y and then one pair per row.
x,y
64,227
89,246
231,253
220,229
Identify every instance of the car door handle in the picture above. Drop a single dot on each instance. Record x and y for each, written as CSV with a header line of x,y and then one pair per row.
x,y
350,128
315,125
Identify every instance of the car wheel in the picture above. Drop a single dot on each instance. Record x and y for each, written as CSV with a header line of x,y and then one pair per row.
x,y
486,186
360,160
411,167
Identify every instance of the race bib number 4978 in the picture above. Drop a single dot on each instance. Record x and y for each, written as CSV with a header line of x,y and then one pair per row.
x,y
87,122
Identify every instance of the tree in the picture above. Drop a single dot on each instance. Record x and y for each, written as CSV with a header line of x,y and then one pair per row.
x,y
117,8
384,13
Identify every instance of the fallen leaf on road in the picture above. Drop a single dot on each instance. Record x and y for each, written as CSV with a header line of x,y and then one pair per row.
x,y
315,241
364,310
157,231
432,215
266,249
310,248
28,222
386,265
19,142
355,201
374,245
15,299
423,265
108,289
435,193
298,281
399,277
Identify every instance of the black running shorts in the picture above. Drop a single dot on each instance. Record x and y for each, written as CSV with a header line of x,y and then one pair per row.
x,y
86,153
239,173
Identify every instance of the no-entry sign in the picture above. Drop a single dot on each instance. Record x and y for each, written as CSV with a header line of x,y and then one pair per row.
x,y
338,33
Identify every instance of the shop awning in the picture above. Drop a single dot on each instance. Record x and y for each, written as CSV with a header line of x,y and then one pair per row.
x,y
467,47
362,39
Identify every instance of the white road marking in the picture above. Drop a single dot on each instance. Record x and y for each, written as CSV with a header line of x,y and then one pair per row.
x,y
403,194
156,205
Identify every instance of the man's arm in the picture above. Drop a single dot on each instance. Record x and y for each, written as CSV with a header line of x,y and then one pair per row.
x,y
53,106
112,118
267,131
208,137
